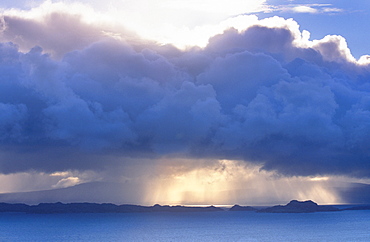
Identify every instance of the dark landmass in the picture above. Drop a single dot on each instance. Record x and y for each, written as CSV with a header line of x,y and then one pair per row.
x,y
295,206
44,208
361,207
242,208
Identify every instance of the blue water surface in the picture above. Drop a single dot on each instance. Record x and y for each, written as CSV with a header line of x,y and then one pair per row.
x,y
204,226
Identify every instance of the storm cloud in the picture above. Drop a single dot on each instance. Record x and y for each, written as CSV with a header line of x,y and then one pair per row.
x,y
267,95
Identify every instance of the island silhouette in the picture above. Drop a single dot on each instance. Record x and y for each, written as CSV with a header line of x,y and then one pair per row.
x,y
293,206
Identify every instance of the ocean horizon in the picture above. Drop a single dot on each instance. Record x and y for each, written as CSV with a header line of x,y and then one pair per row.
x,y
185,226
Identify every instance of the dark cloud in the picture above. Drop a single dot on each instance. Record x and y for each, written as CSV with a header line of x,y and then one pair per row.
x,y
12,117
355,193
255,95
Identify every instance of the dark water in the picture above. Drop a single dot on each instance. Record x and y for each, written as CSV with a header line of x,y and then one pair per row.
x,y
207,226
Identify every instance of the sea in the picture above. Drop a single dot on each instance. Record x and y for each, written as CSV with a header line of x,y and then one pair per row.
x,y
188,226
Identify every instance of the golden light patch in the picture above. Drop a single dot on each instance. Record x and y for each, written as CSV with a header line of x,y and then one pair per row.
x,y
231,182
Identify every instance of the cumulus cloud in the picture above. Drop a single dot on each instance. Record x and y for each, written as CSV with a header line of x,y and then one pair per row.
x,y
59,28
266,94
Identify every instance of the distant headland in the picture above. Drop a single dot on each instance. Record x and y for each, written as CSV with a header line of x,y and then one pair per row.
x,y
293,206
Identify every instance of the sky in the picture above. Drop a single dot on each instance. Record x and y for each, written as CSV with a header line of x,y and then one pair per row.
x,y
186,102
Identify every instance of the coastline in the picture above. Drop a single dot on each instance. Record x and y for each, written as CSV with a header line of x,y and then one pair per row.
x,y
293,206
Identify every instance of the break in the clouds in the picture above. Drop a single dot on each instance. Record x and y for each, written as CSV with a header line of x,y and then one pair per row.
x,y
81,95
308,8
